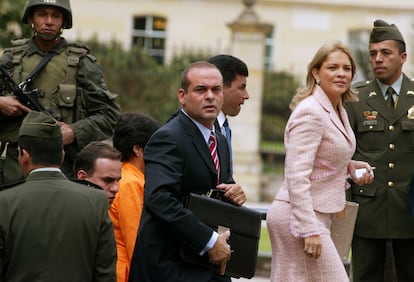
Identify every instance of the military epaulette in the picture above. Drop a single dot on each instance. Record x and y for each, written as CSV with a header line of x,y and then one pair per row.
x,y
361,84
19,48
80,45
75,51
87,183
8,186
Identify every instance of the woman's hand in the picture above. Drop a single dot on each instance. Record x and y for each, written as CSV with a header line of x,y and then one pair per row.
x,y
313,246
366,178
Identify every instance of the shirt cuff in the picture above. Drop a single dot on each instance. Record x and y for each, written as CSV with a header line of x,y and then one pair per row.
x,y
210,243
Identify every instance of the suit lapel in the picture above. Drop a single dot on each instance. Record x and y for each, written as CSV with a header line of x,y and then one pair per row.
x,y
376,100
405,99
199,142
327,105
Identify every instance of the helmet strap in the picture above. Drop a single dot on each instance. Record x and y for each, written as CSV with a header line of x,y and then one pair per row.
x,y
46,37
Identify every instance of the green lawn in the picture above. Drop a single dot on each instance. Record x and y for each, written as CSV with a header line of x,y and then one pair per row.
x,y
264,243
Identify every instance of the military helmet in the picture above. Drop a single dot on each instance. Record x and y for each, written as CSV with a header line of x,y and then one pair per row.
x,y
63,4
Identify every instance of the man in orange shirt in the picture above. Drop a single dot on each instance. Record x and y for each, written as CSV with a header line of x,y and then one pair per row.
x,y
130,137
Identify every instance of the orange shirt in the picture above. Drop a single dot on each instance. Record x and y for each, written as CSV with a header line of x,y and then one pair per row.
x,y
125,213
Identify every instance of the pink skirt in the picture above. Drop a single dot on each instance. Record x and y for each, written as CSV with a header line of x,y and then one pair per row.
x,y
289,262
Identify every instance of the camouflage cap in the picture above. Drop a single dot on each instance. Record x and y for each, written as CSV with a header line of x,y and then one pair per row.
x,y
384,31
41,125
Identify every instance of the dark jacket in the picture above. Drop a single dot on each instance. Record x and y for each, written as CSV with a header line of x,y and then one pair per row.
x,y
177,162
385,139
52,229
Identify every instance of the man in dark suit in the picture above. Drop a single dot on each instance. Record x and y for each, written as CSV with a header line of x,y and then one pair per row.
x,y
178,162
383,123
52,229
235,73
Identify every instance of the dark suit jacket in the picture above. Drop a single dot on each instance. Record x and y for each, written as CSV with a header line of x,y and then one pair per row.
x,y
386,142
52,229
177,162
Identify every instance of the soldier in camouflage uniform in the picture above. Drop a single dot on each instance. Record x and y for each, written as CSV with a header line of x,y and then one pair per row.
x,y
71,84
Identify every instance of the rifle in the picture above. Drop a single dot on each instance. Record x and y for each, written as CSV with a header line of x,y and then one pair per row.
x,y
29,98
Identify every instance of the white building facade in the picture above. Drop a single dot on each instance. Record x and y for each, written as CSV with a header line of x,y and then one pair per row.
x,y
300,27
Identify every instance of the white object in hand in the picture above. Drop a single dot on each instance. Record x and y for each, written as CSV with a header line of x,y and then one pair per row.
x,y
360,171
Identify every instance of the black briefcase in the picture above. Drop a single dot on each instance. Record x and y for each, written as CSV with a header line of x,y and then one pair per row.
x,y
244,225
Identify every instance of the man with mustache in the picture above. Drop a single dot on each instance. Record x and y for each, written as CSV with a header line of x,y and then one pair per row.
x,y
384,129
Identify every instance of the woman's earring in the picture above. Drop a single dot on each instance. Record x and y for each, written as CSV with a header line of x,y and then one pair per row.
x,y
318,82
32,25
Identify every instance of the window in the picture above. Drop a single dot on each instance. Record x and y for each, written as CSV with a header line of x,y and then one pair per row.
x,y
358,43
268,51
149,32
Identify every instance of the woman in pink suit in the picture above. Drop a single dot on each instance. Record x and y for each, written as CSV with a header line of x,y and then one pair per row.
x,y
319,146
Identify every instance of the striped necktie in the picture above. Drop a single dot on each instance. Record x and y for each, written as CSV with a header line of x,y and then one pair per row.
x,y
214,155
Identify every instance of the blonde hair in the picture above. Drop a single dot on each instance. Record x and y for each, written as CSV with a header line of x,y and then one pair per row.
x,y
316,63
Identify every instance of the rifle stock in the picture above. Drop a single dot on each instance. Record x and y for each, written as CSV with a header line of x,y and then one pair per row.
x,y
27,98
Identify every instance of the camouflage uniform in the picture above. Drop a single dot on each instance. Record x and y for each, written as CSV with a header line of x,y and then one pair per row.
x,y
72,90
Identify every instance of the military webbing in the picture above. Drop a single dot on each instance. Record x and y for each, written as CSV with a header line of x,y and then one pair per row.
x,y
74,55
39,66
74,52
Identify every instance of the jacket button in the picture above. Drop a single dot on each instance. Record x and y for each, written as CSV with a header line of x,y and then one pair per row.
x,y
390,184
391,128
391,165
391,146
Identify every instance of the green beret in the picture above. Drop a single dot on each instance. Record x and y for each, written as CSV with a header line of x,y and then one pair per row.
x,y
384,31
41,125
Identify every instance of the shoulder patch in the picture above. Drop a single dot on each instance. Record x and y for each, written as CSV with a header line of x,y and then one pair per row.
x,y
20,41
80,45
361,84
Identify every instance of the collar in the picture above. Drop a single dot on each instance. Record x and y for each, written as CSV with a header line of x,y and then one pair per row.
x,y
396,86
45,169
204,130
221,118
59,48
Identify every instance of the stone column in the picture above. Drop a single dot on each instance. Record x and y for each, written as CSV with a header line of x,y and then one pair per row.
x,y
248,36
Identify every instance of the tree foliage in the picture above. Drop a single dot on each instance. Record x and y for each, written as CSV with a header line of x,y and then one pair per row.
x,y
10,25
142,84
278,90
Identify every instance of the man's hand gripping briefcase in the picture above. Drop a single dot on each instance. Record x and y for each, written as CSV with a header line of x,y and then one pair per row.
x,y
244,225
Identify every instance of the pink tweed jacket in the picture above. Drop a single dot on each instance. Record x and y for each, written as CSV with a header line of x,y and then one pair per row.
x,y
319,145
